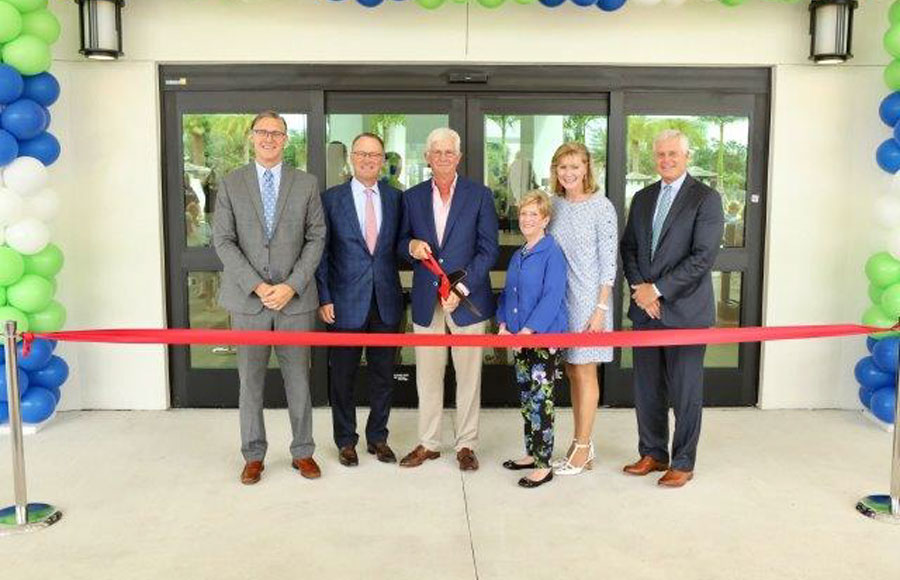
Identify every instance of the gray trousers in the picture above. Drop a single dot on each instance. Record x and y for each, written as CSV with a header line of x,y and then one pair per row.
x,y
252,365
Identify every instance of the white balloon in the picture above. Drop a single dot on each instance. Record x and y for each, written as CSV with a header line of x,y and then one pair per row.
x,y
11,206
28,236
25,175
43,205
646,2
676,2
887,211
893,245
895,183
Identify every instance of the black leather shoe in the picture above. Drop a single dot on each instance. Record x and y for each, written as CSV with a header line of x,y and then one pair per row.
x,y
529,483
382,452
513,466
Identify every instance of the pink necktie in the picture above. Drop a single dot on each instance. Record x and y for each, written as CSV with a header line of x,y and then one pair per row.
x,y
371,226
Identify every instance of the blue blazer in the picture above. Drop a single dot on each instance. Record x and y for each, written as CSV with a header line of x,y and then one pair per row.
x,y
535,292
686,252
470,244
348,274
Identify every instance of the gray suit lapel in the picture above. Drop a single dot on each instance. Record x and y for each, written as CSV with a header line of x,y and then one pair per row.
x,y
252,181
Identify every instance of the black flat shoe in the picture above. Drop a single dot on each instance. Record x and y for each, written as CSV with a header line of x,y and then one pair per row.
x,y
513,466
529,483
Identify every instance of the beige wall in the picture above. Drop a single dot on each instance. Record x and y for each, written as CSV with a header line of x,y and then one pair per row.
x,y
822,174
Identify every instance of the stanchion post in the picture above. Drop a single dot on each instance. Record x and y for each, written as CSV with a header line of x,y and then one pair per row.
x,y
21,517
886,508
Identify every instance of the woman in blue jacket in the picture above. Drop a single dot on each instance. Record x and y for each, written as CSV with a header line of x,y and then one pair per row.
x,y
533,301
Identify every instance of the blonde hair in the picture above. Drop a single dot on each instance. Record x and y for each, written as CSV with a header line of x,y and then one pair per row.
x,y
565,150
540,199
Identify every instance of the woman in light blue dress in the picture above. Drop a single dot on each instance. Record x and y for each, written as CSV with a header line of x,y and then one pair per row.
x,y
585,226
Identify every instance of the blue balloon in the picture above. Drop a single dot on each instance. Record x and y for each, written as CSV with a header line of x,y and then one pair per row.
x,y
865,396
869,375
38,358
870,343
887,156
886,353
551,3
610,5
56,394
44,148
584,2
9,147
25,119
889,111
42,89
370,3
53,375
23,383
11,84
37,405
883,404
4,413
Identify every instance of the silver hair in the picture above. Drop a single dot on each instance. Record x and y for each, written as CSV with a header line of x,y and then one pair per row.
x,y
670,134
442,134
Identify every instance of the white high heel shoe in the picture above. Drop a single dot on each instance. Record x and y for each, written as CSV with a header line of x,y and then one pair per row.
x,y
567,468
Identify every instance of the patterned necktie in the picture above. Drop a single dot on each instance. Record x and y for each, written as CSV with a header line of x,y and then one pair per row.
x,y
662,210
371,226
269,197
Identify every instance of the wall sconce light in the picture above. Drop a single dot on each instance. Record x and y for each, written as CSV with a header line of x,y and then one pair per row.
x,y
831,30
101,28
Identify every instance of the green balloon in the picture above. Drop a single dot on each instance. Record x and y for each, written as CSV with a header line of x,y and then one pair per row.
x,y
875,293
49,319
10,313
890,301
894,12
27,54
24,6
11,266
875,316
42,24
892,75
47,263
10,22
892,41
882,269
2,296
491,3
30,294
429,4
732,2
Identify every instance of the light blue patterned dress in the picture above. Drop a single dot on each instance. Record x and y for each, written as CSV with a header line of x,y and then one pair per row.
x,y
587,232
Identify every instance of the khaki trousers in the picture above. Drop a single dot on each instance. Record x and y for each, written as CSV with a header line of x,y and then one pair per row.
x,y
431,362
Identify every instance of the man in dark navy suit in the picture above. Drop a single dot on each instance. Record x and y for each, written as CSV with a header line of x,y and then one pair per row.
x,y
359,291
453,220
668,251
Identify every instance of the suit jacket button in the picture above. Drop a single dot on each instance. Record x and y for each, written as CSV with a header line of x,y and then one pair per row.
x,y
440,260
435,283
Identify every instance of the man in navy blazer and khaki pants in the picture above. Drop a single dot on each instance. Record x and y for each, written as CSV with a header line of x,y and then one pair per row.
x,y
268,231
359,291
668,250
454,220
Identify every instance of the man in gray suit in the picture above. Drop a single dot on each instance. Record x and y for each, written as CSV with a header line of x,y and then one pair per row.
x,y
669,248
269,232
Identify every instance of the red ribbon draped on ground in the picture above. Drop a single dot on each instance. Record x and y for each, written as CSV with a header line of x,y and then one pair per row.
x,y
620,338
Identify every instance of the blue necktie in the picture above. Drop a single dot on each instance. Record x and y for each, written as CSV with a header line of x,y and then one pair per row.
x,y
662,210
269,197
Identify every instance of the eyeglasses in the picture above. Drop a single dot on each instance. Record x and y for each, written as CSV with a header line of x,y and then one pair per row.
x,y
263,134
368,154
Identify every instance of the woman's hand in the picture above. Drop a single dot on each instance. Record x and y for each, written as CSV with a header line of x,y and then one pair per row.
x,y
597,322
502,329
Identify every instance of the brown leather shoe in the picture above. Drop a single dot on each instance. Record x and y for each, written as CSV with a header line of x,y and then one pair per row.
x,y
675,478
251,472
307,467
645,465
348,457
467,460
382,452
418,456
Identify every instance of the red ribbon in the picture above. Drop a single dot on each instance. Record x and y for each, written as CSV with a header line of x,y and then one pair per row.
x,y
435,268
620,338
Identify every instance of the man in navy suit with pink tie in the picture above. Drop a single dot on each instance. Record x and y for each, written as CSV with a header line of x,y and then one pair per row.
x,y
359,291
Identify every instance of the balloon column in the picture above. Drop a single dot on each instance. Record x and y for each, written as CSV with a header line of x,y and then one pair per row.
x,y
605,5
877,373
29,263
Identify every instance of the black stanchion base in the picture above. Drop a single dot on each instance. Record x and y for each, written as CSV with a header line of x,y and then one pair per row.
x,y
878,507
39,515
